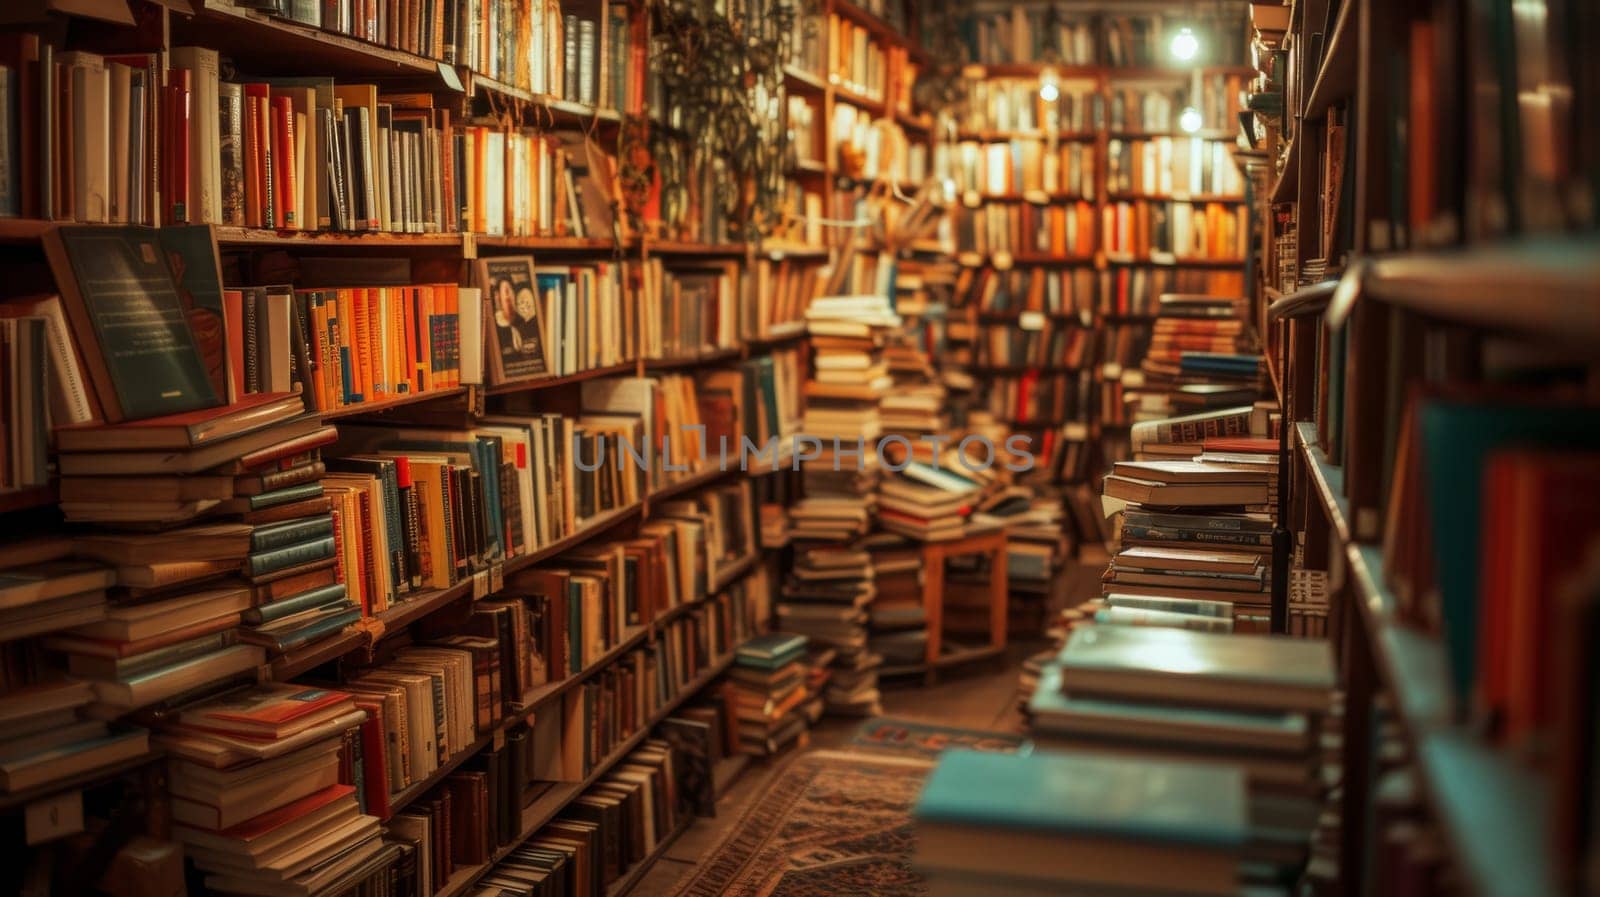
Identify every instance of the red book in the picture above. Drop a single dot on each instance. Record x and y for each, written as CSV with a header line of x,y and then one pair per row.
x,y
176,145
251,829
269,710
258,197
285,199
1242,444
186,430
374,759
316,439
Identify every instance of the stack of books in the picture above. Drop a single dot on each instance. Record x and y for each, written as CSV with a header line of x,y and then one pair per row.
x,y
49,736
1250,703
897,617
1196,498
826,599
257,799
255,533
1199,359
927,502
767,686
42,590
1044,823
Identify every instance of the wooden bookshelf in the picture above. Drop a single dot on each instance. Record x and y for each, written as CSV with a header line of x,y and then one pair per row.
x,y
360,409
550,804
617,370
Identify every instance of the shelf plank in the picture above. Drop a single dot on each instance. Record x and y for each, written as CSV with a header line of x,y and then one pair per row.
x,y
267,43
1336,79
625,369
1552,278
400,401
691,361
232,236
555,244
1495,816
1327,480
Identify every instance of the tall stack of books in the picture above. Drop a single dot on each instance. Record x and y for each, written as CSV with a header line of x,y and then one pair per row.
x,y
257,799
849,380
1079,823
826,599
898,620
767,686
929,502
1194,497
253,541
1249,703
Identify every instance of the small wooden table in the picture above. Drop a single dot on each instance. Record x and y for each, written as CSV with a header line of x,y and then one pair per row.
x,y
934,554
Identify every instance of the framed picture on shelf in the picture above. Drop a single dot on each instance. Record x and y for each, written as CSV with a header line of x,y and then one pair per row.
x,y
517,333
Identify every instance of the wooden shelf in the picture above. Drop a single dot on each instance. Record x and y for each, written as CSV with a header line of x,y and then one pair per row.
x,y
562,110
556,244
705,478
266,43
23,499
1176,197
999,136
1495,814
690,361
82,780
1282,188
23,230
1052,260
1493,811
229,235
846,95
1175,263
707,250
363,408
625,369
1553,280
1037,197
624,884
799,81
549,804
1336,79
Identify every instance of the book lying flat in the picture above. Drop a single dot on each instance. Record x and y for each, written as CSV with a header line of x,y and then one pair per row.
x,y
1208,669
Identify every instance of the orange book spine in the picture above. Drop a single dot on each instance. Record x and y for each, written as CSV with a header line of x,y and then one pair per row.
x,y
285,195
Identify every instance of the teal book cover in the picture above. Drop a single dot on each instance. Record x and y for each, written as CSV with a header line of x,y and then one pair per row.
x,y
1458,438
1091,795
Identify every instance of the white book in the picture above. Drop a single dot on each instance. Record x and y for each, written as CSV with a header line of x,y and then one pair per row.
x,y
205,135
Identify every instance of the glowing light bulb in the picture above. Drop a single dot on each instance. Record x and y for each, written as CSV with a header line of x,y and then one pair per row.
x,y
1190,120
1185,44
1048,92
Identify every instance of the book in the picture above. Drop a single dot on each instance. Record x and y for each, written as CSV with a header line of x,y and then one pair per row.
x,y
94,266
1050,818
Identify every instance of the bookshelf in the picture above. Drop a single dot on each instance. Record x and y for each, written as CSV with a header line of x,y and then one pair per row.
x,y
257,44
1373,244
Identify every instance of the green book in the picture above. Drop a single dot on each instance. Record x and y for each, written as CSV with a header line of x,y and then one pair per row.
x,y
148,340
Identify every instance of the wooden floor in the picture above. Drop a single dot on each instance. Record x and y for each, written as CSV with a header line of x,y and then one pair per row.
x,y
980,697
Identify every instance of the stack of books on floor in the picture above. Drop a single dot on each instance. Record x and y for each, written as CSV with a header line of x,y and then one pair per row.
x,y
767,687
1194,531
826,599
50,736
1250,703
257,799
897,618
1053,823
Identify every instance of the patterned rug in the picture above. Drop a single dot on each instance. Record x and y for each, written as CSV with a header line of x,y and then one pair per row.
x,y
909,738
831,824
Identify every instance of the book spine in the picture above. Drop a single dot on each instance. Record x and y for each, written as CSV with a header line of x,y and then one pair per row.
x,y
284,496
260,564
268,538
323,627
284,607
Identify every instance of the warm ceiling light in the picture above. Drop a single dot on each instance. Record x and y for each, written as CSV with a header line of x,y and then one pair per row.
x,y
1190,120
1185,44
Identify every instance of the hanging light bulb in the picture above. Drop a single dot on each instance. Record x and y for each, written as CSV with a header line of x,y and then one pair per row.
x,y
1047,86
1185,44
1190,120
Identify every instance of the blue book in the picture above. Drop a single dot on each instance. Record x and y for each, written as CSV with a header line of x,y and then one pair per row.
x,y
1093,795
771,651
